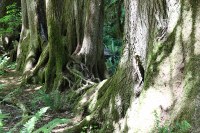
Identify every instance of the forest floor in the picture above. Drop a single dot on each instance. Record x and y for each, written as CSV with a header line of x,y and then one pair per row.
x,y
13,97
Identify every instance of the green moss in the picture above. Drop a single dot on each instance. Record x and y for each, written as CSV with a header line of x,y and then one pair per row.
x,y
72,99
118,86
24,51
192,80
194,5
163,51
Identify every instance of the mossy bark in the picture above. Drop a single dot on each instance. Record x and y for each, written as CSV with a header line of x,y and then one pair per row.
x,y
57,57
168,32
91,51
39,52
33,35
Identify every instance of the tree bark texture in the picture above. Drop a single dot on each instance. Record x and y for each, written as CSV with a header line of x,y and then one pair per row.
x,y
53,39
33,36
162,37
157,78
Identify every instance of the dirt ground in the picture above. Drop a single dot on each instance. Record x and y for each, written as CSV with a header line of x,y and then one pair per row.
x,y
12,93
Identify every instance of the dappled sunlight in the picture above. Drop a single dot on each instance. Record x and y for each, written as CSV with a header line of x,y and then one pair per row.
x,y
11,80
91,96
33,89
174,12
187,26
118,103
98,66
141,115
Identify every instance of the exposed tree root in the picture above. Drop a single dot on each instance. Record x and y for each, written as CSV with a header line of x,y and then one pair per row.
x,y
40,64
78,127
106,102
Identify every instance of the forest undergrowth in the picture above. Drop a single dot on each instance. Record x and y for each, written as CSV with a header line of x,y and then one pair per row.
x,y
27,107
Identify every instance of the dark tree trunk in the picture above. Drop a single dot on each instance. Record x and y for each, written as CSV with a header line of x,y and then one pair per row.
x,y
91,52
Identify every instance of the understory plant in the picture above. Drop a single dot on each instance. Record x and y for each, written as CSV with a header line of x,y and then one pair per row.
x,y
6,64
11,21
30,125
178,127
3,64
2,117
55,100
113,33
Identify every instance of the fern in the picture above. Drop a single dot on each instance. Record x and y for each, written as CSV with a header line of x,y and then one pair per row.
x,y
52,124
30,125
2,117
54,100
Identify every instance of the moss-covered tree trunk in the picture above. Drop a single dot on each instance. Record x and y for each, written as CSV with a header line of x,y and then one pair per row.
x,y
58,38
57,58
161,39
33,36
91,50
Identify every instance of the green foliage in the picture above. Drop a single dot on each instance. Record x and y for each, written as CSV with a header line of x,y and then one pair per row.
x,y
30,125
12,66
90,129
2,117
114,57
6,64
54,100
47,128
113,33
178,127
52,124
182,127
1,86
11,20
3,64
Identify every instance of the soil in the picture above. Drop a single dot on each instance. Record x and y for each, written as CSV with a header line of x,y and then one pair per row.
x,y
12,93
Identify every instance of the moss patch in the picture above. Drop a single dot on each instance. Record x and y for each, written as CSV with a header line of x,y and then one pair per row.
x,y
163,51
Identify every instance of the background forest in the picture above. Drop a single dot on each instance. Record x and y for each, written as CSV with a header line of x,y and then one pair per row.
x,y
99,66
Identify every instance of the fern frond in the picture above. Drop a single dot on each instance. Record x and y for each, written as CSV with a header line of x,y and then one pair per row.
x,y
30,125
52,124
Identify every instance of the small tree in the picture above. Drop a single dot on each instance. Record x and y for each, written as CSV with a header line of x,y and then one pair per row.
x,y
11,21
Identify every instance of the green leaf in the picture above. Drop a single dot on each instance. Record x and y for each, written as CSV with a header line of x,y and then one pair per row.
x,y
52,124
30,125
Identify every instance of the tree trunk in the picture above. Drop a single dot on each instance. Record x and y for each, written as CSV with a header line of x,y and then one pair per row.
x,y
59,40
57,58
33,36
91,52
162,40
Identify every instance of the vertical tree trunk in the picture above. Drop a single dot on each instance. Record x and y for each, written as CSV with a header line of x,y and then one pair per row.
x,y
77,19
33,35
91,51
57,58
163,38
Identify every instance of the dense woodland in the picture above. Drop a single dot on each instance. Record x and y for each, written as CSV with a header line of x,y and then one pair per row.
x,y
100,66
